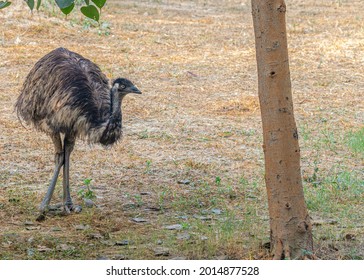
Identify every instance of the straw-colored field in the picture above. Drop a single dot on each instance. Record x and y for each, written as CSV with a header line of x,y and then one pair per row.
x,y
191,153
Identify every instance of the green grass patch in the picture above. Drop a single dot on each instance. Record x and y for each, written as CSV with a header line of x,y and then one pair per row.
x,y
336,194
355,140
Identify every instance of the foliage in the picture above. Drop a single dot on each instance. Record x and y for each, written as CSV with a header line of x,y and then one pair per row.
x,y
86,193
4,4
355,141
91,12
91,9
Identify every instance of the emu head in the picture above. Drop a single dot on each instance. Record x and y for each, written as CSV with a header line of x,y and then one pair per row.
x,y
124,86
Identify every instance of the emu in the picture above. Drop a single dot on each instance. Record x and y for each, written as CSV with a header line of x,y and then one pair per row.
x,y
67,96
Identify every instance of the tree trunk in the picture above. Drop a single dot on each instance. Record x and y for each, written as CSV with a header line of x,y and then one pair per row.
x,y
290,227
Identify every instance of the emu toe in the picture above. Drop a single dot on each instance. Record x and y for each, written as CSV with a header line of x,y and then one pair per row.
x,y
58,210
72,208
51,209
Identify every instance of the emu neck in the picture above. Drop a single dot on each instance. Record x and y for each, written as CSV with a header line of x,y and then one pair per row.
x,y
112,131
115,106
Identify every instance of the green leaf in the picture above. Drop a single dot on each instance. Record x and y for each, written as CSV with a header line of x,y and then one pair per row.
x,y
87,2
91,12
38,4
87,181
67,10
99,3
30,4
62,4
4,4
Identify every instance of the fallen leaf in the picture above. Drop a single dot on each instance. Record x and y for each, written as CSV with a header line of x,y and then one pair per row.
x,y
174,227
102,258
161,251
119,257
95,235
145,193
152,209
82,227
139,220
183,236
123,243
203,218
65,247
183,217
32,228
184,182
216,211
43,249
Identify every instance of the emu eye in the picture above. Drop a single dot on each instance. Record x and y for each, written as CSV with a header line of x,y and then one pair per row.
x,y
121,87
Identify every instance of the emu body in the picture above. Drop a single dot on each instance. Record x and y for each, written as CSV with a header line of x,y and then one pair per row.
x,y
67,94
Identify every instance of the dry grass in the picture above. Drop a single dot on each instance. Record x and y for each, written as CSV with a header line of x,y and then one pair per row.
x,y
197,120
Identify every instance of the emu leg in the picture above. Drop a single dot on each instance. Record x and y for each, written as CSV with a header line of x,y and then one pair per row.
x,y
69,143
59,160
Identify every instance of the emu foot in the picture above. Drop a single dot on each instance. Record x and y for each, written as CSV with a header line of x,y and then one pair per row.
x,y
52,210
68,208
58,210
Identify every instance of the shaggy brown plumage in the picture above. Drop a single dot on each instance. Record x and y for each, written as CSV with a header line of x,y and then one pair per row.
x,y
65,93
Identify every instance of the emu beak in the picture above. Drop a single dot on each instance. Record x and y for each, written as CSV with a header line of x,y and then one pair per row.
x,y
134,89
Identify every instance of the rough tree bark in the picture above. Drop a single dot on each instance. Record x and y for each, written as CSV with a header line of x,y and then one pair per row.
x,y
290,227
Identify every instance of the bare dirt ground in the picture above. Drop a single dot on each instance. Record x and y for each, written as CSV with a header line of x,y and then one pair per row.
x,y
191,154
